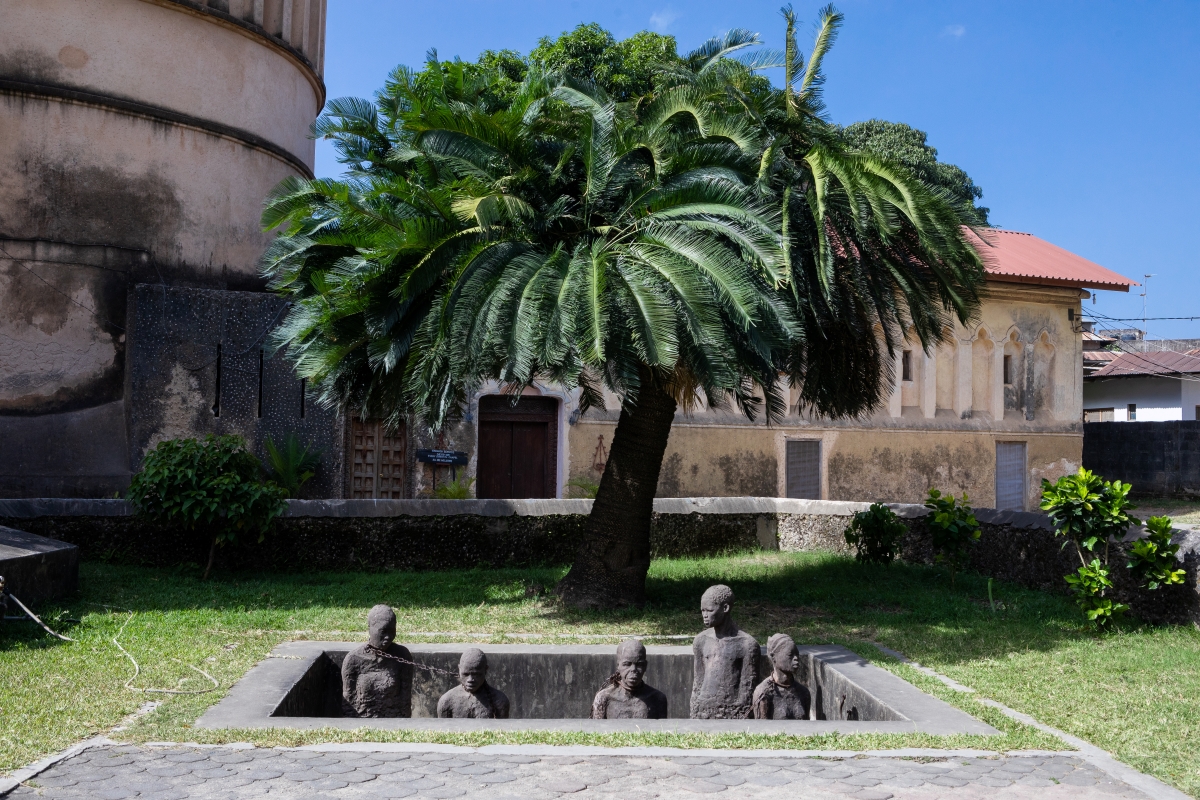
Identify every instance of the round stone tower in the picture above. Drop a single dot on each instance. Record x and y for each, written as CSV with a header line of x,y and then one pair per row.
x,y
138,139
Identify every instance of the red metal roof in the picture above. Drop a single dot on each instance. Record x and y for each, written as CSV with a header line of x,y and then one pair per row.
x,y
1162,363
1024,258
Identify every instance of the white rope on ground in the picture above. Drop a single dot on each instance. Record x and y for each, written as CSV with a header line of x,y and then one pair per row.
x,y
35,618
137,670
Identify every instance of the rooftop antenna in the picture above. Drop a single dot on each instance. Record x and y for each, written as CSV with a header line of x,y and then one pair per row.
x,y
1145,289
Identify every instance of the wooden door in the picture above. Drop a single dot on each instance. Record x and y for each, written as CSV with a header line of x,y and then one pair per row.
x,y
377,465
804,469
517,455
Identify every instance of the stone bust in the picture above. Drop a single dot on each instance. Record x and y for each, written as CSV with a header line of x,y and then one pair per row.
x,y
473,697
626,695
780,695
374,685
726,661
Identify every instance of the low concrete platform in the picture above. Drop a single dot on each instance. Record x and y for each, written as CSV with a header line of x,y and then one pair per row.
x,y
550,689
35,568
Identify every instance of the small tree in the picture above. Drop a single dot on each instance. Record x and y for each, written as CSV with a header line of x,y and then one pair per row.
x,y
212,487
875,535
1090,511
954,530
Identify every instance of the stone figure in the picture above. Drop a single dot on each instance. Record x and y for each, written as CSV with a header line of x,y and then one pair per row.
x,y
726,661
780,695
374,683
473,697
626,695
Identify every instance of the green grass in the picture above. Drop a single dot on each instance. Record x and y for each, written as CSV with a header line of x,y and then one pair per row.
x,y
1183,511
1135,692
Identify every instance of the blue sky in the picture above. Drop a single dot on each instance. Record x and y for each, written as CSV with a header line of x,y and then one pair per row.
x,y
1080,120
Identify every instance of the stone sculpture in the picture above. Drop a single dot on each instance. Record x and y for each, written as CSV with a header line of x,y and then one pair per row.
x,y
473,697
726,661
626,695
374,682
780,695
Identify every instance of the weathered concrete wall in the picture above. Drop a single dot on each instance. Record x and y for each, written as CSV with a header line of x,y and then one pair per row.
x,y
886,464
1158,458
185,343
140,139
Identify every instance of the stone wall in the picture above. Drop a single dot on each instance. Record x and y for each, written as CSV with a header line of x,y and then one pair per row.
x,y
1158,458
355,535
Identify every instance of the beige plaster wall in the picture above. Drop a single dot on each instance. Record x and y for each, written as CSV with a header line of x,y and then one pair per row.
x,y
88,175
864,465
164,56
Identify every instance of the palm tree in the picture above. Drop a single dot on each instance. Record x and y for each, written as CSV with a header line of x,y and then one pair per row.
x,y
714,240
563,237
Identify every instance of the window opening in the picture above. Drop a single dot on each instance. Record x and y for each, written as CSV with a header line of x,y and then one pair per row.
x,y
216,406
1010,475
1098,414
1008,376
906,365
804,469
1132,409
261,358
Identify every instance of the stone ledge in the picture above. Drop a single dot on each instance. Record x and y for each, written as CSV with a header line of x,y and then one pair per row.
x,y
36,568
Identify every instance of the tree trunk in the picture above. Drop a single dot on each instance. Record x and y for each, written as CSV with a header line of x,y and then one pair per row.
x,y
212,554
614,555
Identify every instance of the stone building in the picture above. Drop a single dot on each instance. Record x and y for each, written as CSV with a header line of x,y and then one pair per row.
x,y
138,139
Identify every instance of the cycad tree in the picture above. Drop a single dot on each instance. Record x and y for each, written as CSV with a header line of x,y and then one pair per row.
x,y
710,241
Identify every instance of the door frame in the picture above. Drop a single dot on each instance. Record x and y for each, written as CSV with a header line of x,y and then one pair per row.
x,y
495,407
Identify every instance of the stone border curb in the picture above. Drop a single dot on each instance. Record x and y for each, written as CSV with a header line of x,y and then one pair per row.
x,y
21,775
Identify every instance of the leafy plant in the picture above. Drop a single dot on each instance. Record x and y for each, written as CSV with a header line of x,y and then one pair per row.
x,y
1090,583
1090,512
457,489
212,487
293,464
1152,559
584,488
954,530
875,535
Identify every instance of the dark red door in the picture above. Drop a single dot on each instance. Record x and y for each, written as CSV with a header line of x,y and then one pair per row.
x,y
516,448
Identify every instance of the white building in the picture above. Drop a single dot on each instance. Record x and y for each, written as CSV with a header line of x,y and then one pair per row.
x,y
1144,387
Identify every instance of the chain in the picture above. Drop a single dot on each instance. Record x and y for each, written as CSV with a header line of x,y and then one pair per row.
x,y
386,654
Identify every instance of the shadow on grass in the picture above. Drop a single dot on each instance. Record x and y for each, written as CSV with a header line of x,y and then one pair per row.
x,y
815,597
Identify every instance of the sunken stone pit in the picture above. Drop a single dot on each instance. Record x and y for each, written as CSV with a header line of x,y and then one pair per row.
x,y
551,687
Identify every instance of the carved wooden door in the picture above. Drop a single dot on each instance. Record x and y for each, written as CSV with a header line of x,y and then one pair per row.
x,y
377,466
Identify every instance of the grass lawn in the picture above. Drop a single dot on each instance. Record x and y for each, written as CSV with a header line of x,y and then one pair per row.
x,y
1184,511
1135,692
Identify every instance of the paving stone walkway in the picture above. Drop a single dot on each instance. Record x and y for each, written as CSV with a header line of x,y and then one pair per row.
x,y
229,773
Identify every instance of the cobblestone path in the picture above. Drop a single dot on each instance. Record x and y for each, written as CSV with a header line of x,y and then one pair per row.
x,y
230,773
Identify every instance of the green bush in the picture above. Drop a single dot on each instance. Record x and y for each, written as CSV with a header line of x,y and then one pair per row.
x,y
1152,559
954,529
212,487
458,489
875,535
1090,513
292,464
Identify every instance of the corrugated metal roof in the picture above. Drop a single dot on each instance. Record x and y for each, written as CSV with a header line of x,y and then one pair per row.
x,y
1024,258
1161,363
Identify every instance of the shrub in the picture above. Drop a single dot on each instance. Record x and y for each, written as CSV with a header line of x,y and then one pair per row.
x,y
293,464
1152,559
458,489
1090,512
954,529
875,535
582,488
212,487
